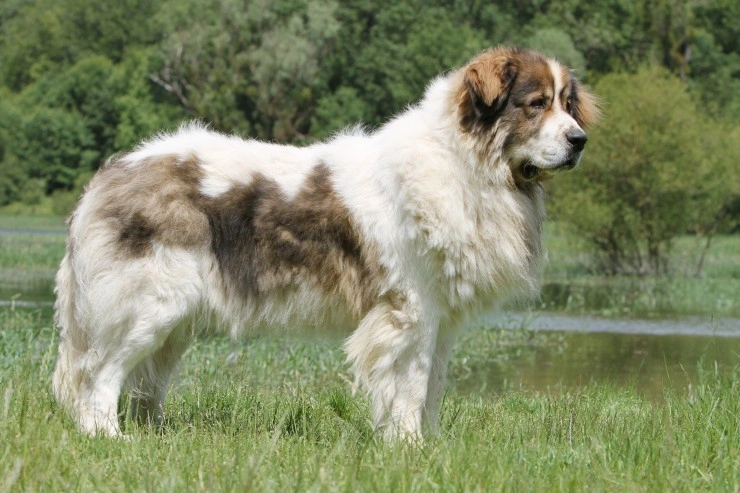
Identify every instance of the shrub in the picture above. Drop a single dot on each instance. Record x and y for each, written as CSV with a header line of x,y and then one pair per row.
x,y
655,169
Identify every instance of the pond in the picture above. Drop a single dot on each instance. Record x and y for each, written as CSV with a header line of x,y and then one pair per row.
x,y
26,288
646,355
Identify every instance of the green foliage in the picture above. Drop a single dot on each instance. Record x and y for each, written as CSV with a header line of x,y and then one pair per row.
x,y
140,108
55,147
41,37
390,52
716,76
556,43
656,168
247,68
80,81
337,110
611,34
84,92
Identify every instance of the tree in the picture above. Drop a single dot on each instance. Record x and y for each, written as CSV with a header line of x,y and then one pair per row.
x,y
296,70
12,176
338,110
556,43
55,147
248,66
85,91
42,37
387,52
611,34
142,108
655,169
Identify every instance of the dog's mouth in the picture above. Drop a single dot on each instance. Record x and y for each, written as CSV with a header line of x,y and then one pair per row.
x,y
531,172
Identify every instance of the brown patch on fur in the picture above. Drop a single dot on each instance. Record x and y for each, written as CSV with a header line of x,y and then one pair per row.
x,y
150,202
492,98
136,235
534,83
264,241
484,93
585,107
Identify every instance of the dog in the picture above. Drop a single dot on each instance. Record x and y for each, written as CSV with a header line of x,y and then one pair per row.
x,y
398,237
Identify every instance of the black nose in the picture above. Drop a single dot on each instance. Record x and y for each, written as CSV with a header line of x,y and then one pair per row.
x,y
577,139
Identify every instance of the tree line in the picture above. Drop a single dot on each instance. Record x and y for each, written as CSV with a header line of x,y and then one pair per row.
x,y
80,81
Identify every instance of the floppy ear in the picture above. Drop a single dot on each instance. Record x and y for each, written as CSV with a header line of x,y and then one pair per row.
x,y
487,80
586,107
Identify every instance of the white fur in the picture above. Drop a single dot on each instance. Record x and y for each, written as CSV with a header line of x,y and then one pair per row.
x,y
455,237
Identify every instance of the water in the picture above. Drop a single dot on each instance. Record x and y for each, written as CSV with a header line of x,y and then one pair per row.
x,y
571,352
26,288
683,326
643,355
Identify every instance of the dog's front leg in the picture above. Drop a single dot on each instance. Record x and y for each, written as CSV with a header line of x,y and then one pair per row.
x,y
392,353
438,377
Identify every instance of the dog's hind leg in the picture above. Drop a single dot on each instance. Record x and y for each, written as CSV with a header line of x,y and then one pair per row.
x,y
116,332
392,355
149,379
106,366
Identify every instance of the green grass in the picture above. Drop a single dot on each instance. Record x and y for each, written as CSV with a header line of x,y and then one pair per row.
x,y
28,262
35,253
571,286
31,252
642,297
569,256
10,220
282,419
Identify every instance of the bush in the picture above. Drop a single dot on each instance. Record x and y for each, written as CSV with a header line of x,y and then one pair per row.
x,y
655,169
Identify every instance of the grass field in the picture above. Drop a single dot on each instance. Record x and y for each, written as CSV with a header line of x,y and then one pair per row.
x,y
282,419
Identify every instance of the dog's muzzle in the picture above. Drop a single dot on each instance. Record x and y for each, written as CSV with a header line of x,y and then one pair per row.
x,y
531,172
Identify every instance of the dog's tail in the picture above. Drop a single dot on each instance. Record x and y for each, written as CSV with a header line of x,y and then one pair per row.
x,y
67,378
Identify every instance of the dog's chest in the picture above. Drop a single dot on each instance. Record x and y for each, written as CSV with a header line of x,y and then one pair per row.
x,y
491,253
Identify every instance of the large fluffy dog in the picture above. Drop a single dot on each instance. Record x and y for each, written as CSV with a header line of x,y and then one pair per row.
x,y
397,237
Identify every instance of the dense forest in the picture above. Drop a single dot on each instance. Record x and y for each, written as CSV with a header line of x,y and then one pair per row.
x,y
81,80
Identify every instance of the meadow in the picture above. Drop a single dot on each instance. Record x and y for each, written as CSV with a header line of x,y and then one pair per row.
x,y
279,415
572,285
282,418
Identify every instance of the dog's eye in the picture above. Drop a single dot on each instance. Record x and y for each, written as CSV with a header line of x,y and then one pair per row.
x,y
538,103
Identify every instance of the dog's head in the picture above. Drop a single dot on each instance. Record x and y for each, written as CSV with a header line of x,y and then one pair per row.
x,y
530,107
